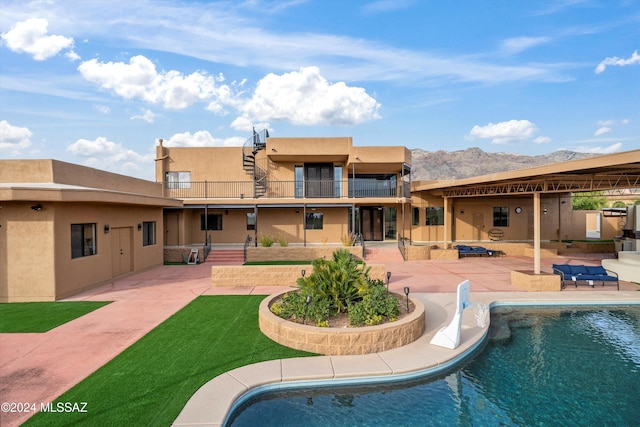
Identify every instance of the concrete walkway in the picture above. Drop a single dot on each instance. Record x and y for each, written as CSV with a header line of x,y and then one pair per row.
x,y
39,367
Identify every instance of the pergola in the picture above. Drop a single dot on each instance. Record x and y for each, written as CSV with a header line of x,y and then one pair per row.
x,y
619,171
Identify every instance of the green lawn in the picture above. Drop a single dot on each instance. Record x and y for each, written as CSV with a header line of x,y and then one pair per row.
x,y
42,316
151,381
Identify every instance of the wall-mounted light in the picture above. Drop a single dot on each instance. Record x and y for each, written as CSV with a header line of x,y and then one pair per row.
x,y
544,211
106,228
37,207
139,226
274,150
461,212
297,211
226,211
303,272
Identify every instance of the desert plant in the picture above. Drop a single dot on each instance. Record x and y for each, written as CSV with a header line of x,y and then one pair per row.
x,y
348,239
339,280
265,240
282,239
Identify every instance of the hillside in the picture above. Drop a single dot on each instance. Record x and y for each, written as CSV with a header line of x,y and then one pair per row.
x,y
432,165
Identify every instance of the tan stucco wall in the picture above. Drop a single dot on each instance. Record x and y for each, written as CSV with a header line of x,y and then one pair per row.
x,y
27,265
531,282
39,266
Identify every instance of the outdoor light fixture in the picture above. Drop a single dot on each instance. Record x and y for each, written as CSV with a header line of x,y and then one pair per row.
x,y
106,228
139,226
388,277
406,292
306,306
303,272
37,207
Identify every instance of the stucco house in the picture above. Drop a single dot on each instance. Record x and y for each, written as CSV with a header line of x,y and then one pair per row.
x,y
65,228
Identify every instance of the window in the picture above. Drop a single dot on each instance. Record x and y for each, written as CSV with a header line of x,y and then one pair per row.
x,y
83,240
313,221
299,183
251,221
213,222
501,216
435,216
390,215
178,179
148,233
415,216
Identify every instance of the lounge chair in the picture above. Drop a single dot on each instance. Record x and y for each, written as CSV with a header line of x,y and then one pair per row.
x,y
464,250
589,275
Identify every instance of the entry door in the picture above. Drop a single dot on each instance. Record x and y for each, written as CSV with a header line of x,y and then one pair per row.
x,y
478,225
171,234
371,218
120,251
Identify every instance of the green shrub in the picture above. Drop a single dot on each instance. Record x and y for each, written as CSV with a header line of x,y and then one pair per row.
x,y
339,280
265,240
294,307
376,306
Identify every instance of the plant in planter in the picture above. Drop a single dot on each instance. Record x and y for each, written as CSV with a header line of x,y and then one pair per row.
x,y
336,287
265,240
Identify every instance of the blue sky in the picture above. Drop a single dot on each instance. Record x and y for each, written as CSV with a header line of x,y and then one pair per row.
x,y
98,82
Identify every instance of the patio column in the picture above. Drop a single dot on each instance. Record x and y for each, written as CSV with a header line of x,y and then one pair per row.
x,y
447,223
536,233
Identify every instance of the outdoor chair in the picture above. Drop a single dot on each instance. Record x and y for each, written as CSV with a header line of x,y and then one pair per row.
x,y
589,275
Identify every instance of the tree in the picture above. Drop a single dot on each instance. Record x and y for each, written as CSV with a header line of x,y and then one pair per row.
x,y
589,201
619,204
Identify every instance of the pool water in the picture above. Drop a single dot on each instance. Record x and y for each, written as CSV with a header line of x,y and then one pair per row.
x,y
540,367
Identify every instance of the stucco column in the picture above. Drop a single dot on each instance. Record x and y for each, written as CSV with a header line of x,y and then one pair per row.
x,y
536,233
447,223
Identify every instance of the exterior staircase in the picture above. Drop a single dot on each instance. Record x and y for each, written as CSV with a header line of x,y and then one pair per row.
x,y
250,149
226,257
382,255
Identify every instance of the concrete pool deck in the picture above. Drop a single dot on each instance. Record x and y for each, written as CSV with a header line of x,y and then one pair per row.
x,y
40,367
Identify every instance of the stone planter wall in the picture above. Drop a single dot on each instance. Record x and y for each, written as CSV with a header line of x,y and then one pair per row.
x,y
529,281
271,275
341,341
297,253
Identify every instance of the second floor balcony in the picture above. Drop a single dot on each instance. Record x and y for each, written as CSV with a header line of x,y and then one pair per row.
x,y
350,188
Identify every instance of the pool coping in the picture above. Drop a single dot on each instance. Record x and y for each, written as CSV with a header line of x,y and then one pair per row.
x,y
213,402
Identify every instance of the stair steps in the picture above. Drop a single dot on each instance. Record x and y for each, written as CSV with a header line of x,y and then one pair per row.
x,y
226,257
381,255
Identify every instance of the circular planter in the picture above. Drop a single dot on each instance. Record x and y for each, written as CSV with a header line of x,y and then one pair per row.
x,y
340,341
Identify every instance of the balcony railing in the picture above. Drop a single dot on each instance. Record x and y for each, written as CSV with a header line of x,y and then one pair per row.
x,y
285,189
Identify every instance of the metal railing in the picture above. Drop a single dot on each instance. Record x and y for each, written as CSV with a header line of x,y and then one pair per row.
x,y
281,189
247,243
206,248
402,247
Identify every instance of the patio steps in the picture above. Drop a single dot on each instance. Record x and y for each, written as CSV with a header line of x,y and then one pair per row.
x,y
380,255
226,257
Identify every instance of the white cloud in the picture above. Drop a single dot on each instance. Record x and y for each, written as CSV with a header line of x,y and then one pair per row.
x,y
519,44
542,140
147,115
602,131
111,156
504,132
102,108
384,6
306,98
31,37
620,62
14,138
139,79
201,138
600,150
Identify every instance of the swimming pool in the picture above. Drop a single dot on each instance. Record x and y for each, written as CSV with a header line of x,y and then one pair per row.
x,y
540,366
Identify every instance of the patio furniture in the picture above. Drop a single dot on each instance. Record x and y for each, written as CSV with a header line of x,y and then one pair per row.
x,y
589,275
464,251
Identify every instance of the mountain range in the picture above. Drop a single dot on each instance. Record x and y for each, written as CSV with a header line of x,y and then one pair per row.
x,y
443,165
